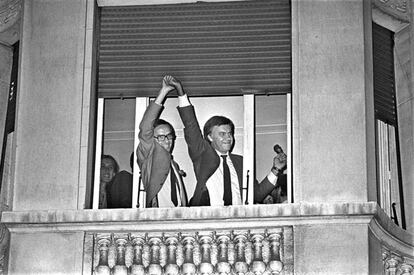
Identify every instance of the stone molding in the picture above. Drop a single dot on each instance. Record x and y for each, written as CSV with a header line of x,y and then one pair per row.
x,y
189,217
392,236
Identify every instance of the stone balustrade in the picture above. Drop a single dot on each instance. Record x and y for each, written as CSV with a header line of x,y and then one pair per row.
x,y
209,252
301,238
395,263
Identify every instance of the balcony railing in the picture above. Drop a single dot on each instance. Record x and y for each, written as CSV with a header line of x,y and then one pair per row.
x,y
257,239
206,252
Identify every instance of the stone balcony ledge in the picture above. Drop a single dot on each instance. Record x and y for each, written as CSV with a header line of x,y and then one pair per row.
x,y
254,215
198,219
280,212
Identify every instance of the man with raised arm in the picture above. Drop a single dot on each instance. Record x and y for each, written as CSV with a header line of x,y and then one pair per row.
x,y
161,175
218,171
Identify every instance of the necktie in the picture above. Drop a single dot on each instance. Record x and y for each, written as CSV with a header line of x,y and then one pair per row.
x,y
227,182
173,181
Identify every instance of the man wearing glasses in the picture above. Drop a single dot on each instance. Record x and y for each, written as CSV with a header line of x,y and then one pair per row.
x,y
161,175
217,169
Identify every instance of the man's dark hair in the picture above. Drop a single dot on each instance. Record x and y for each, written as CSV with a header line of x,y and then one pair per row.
x,y
217,121
160,121
116,166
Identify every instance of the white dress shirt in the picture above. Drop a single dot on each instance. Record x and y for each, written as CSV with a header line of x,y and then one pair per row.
x,y
164,196
215,184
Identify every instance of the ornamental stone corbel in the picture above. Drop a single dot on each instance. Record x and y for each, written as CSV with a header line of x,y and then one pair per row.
x,y
10,11
10,18
397,9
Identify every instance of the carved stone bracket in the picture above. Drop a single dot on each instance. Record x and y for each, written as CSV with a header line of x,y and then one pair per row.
x,y
10,11
399,5
398,9
395,263
229,252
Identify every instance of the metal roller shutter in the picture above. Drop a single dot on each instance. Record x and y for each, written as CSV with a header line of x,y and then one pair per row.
x,y
384,79
214,48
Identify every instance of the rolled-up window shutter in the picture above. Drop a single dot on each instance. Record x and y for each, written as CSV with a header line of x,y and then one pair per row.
x,y
214,48
384,79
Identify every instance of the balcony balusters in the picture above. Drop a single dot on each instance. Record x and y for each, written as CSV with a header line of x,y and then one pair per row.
x,y
120,267
406,269
392,264
154,267
189,268
103,248
172,267
137,266
190,253
275,266
240,265
205,267
258,267
397,264
223,265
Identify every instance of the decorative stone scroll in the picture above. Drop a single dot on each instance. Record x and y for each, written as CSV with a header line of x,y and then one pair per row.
x,y
398,9
202,253
395,264
10,12
399,5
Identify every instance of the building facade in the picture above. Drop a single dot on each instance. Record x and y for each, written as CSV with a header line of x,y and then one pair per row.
x,y
335,223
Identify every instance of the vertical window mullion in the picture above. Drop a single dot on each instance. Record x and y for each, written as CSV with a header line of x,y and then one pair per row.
x,y
138,195
289,148
248,149
98,152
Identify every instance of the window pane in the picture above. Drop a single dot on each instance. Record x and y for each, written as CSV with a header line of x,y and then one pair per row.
x,y
115,143
119,126
271,129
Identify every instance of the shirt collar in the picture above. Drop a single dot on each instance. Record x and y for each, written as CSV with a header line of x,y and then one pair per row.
x,y
221,154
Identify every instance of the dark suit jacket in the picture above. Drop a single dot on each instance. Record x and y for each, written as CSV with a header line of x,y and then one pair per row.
x,y
206,161
119,191
153,160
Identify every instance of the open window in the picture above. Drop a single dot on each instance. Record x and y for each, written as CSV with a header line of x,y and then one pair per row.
x,y
389,173
9,126
234,59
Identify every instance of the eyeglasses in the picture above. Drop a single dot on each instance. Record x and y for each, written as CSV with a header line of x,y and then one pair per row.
x,y
163,137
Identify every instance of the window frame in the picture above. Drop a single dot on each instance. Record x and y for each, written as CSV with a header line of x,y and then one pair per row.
x,y
249,100
141,103
386,116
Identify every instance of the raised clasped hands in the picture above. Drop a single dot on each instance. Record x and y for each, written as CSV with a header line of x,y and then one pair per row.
x,y
166,87
174,84
280,161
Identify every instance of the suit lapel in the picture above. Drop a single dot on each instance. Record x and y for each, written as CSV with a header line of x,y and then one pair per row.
x,y
159,171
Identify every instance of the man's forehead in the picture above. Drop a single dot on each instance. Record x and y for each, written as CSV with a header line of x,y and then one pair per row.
x,y
222,128
107,162
165,129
